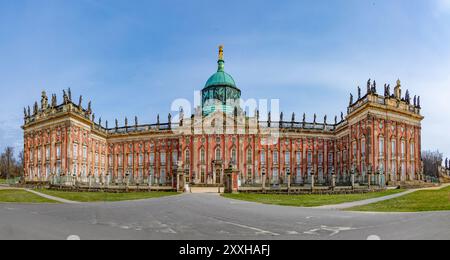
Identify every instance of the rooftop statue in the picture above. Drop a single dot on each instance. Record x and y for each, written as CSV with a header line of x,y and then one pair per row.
x,y
35,108
44,101
351,99
70,94
368,86
80,100
359,93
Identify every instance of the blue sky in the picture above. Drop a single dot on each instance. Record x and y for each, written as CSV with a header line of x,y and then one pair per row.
x,y
136,57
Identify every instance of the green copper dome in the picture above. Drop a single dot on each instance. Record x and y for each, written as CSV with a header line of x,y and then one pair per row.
x,y
221,78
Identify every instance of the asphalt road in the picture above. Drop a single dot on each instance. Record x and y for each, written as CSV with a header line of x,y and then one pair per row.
x,y
210,217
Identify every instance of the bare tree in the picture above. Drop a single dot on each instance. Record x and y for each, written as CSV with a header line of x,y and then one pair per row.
x,y
9,166
431,162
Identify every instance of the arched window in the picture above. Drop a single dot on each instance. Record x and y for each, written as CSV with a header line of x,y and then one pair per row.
x,y
187,155
218,154
233,156
202,156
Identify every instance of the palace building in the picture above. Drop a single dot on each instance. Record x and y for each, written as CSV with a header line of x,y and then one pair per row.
x,y
379,134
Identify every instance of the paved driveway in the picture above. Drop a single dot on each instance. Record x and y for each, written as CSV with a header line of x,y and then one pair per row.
x,y
209,216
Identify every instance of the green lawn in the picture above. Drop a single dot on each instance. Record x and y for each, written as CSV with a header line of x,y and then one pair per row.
x,y
308,200
104,196
2,181
437,200
21,196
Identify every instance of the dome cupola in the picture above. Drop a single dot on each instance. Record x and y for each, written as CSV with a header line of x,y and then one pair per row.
x,y
220,90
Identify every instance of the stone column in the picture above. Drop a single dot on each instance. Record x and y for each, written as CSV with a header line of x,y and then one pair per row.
x,y
352,177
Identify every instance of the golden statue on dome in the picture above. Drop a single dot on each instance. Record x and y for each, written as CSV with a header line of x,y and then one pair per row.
x,y
221,52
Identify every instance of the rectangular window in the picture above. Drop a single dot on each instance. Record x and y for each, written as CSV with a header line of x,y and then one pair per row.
x,y
47,152
275,157
412,151
299,158
394,148
310,158
141,159
363,148
84,152
58,151
403,149
120,159
75,151
320,158
130,160
263,157
287,158
174,158
152,158
381,148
